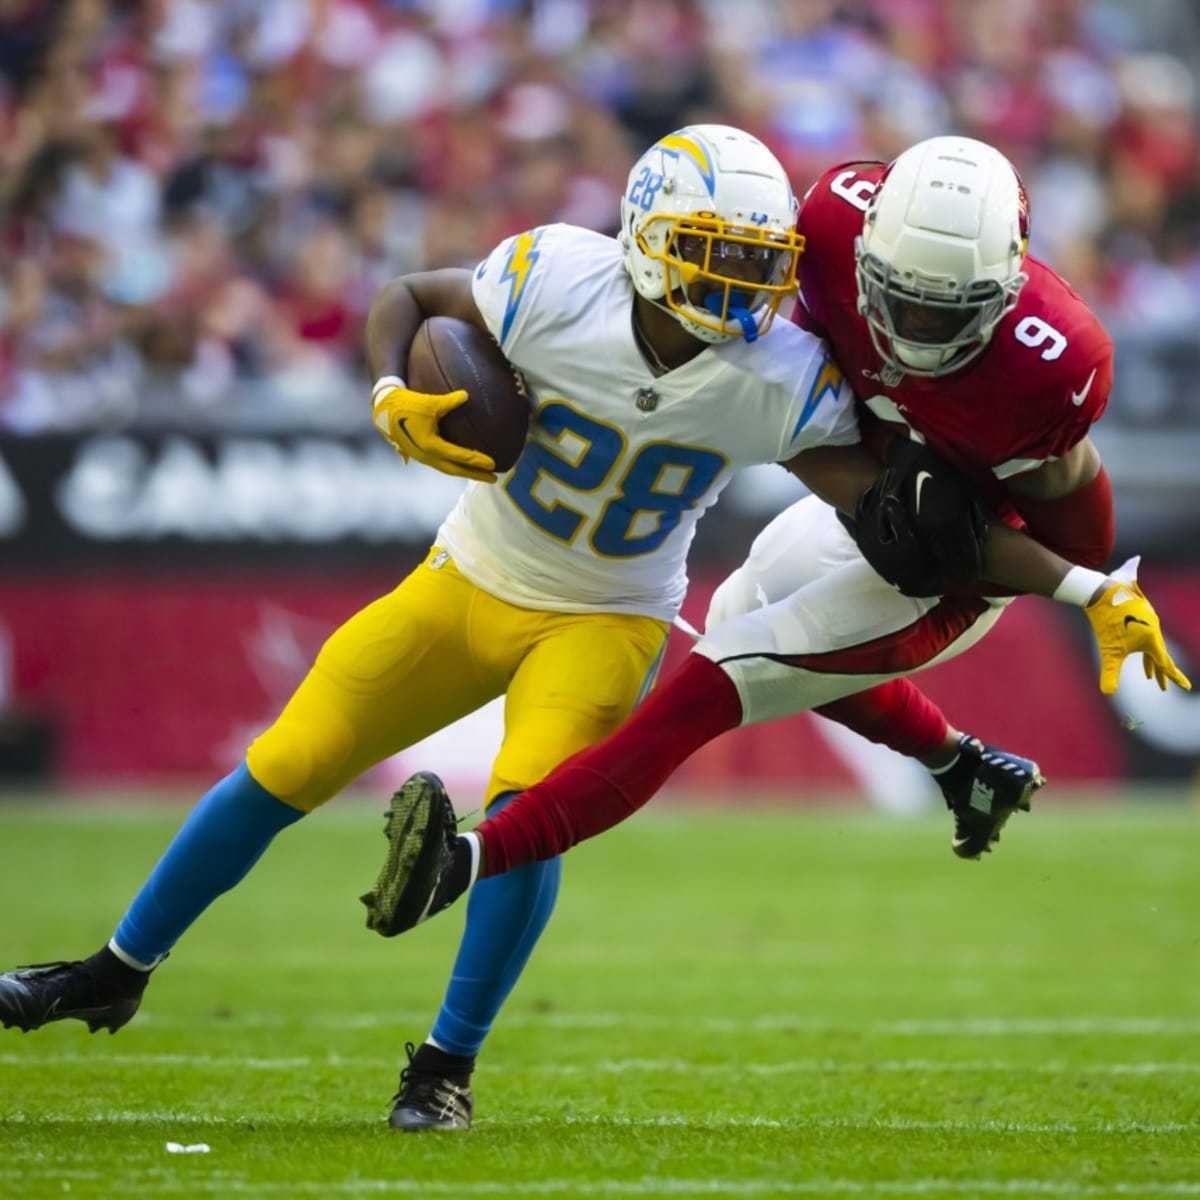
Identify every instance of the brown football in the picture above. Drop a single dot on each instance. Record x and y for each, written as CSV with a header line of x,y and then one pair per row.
x,y
447,355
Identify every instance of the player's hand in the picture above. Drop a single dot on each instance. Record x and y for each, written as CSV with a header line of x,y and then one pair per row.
x,y
887,538
1125,623
920,523
409,420
947,515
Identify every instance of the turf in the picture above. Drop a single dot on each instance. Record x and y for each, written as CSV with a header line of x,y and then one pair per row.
x,y
754,1005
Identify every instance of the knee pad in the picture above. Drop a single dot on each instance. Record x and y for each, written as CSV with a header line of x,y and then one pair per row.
x,y
301,763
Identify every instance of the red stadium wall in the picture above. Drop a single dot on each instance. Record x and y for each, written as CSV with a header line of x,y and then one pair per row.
x,y
168,677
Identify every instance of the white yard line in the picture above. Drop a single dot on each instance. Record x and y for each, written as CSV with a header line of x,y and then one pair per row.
x,y
627,1066
150,1117
914,1027
904,1066
867,1123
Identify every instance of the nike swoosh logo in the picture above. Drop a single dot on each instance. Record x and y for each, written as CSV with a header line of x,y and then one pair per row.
x,y
424,914
1136,621
1077,398
923,477
402,425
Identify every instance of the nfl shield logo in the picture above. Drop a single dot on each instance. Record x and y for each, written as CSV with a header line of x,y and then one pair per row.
x,y
647,400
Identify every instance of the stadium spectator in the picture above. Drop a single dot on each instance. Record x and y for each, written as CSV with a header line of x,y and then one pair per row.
x,y
356,140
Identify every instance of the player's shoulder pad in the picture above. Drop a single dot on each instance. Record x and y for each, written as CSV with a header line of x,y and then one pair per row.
x,y
820,402
780,358
1059,346
823,386
536,276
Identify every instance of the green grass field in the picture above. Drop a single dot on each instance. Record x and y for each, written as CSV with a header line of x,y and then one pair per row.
x,y
757,1005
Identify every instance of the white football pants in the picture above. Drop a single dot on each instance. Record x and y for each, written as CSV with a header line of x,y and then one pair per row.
x,y
805,619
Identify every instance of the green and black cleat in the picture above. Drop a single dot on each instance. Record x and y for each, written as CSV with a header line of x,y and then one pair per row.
x,y
418,877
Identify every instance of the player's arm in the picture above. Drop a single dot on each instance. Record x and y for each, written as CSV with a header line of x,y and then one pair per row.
x,y
1122,619
819,436
911,555
401,305
408,419
1070,522
1067,505
839,475
1061,476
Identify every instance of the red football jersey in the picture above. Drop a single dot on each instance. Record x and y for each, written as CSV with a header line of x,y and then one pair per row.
x,y
1030,396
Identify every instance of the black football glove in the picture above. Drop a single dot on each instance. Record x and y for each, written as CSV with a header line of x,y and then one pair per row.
x,y
887,537
921,523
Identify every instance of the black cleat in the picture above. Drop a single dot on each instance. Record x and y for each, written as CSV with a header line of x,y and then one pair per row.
x,y
427,866
433,1095
983,789
31,997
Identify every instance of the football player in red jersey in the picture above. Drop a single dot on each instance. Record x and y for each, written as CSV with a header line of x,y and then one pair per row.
x,y
962,340
953,338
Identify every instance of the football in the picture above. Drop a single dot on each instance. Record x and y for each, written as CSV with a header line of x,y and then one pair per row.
x,y
447,355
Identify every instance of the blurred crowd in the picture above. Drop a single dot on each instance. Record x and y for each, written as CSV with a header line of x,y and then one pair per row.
x,y
201,196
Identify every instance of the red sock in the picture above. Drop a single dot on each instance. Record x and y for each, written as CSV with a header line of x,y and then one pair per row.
x,y
896,714
602,785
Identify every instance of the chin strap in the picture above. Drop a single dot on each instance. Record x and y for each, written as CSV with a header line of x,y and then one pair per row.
x,y
737,311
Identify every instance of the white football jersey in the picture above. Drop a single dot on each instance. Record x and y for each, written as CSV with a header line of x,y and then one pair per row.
x,y
600,509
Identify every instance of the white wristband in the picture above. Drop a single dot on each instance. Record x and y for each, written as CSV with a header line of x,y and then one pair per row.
x,y
1079,585
386,383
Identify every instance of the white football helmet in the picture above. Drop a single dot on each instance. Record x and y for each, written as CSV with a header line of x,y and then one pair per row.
x,y
939,259
710,205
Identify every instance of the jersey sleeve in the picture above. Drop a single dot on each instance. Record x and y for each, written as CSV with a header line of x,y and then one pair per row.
x,y
1067,406
509,286
822,410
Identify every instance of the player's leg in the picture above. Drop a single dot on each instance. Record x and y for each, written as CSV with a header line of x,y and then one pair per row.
x,y
839,634
843,632
801,544
581,678
356,706
983,785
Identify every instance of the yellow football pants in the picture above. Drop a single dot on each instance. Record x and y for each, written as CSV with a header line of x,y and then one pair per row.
x,y
436,649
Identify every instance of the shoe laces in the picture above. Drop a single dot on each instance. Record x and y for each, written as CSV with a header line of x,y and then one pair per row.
x,y
409,1073
425,1086
416,1082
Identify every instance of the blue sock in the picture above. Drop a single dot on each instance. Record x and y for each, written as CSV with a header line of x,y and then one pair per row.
x,y
505,917
220,841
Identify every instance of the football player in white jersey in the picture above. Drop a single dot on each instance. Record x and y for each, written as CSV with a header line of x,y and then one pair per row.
x,y
655,369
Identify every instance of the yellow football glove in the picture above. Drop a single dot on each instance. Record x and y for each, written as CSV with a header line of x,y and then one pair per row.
x,y
1125,623
409,420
